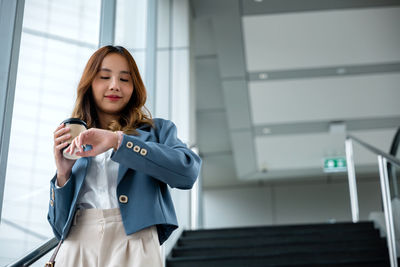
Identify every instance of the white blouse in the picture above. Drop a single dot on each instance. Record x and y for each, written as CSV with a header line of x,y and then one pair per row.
x,y
100,185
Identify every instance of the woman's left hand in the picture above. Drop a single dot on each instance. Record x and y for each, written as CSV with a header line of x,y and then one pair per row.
x,y
100,140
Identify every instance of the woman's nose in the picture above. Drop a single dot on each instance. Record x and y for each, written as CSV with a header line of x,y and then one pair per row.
x,y
114,83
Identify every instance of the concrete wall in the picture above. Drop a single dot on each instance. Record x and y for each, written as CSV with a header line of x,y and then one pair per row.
x,y
288,203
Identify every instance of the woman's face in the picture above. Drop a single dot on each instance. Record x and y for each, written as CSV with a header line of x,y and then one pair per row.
x,y
113,86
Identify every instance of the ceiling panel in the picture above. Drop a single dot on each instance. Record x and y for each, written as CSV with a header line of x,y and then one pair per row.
x,y
236,98
204,37
208,84
229,41
301,100
321,38
252,7
212,132
327,126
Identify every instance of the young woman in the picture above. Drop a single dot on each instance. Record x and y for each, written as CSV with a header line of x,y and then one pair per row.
x,y
112,206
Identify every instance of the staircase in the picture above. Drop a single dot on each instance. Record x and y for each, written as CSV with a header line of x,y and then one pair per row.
x,y
339,244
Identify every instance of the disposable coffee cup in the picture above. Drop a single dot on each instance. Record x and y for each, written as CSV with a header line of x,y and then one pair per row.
x,y
76,127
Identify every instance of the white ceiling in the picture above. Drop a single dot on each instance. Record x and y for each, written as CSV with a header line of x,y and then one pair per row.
x,y
292,74
321,38
325,98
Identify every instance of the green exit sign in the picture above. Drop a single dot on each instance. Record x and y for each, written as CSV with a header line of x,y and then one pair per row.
x,y
335,164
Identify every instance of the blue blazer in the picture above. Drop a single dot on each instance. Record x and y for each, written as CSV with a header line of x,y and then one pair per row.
x,y
147,164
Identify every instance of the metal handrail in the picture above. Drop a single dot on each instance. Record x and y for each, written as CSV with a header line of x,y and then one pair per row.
x,y
375,150
383,159
35,254
392,171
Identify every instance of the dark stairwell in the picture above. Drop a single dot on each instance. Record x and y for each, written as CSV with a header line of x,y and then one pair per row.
x,y
339,244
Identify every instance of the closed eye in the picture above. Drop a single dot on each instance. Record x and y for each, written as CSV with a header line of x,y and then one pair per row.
x,y
104,78
124,80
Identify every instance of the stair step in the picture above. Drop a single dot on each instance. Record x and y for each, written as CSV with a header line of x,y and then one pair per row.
x,y
282,234
275,249
290,259
286,239
279,229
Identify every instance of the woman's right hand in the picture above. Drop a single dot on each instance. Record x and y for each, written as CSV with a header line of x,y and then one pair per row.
x,y
64,166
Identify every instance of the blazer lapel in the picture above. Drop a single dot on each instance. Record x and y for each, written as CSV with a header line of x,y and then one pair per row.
x,y
80,169
121,172
144,135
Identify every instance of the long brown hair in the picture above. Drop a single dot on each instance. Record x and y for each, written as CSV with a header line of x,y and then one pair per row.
x,y
133,115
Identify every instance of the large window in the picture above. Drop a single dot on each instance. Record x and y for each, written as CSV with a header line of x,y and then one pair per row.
x,y
57,39
131,30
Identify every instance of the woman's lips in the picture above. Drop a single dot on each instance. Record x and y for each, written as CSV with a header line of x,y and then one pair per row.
x,y
113,98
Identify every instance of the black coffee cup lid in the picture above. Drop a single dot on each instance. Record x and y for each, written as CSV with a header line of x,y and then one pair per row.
x,y
75,121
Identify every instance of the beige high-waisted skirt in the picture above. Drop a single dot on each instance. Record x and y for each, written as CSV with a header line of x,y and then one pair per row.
x,y
97,239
